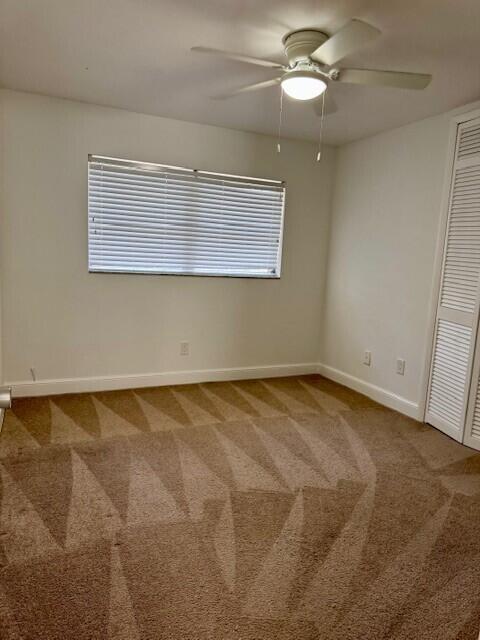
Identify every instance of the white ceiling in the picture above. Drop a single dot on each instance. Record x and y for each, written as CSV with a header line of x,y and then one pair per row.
x,y
135,54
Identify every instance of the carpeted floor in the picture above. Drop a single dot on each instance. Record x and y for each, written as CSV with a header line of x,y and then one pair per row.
x,y
278,509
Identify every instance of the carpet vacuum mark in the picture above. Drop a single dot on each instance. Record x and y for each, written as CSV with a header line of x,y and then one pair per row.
x,y
279,509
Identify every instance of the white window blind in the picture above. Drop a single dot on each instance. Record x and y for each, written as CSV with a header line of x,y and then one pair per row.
x,y
147,218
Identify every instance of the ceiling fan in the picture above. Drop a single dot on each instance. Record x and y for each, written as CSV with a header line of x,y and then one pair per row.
x,y
311,57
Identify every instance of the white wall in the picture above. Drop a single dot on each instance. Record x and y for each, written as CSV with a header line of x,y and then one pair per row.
x,y
67,323
385,220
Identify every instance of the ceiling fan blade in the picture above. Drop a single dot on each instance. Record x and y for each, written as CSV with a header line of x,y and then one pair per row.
x,y
330,105
398,79
239,57
353,36
249,87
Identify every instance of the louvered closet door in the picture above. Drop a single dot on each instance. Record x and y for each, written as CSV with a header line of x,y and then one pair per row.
x,y
469,150
457,312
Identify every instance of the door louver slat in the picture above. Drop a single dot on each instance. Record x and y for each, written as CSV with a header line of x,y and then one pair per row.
x,y
447,387
449,406
469,143
459,290
476,418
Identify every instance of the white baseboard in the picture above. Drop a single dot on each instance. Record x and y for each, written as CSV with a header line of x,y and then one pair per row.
x,y
387,398
108,383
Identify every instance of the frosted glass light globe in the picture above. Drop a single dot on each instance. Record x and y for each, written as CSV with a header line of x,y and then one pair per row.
x,y
303,85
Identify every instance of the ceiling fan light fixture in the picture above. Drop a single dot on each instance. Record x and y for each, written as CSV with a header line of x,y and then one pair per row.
x,y
303,85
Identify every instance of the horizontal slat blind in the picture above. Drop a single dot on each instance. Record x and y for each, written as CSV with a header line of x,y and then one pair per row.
x,y
152,219
449,372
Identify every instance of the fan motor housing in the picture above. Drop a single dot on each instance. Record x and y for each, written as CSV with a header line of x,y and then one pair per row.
x,y
299,45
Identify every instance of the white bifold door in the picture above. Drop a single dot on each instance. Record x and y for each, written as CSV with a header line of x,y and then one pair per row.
x,y
453,402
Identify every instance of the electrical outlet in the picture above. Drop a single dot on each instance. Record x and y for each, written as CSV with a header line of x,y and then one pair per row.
x,y
184,348
367,358
400,366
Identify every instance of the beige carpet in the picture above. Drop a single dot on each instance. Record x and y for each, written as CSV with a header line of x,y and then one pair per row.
x,y
278,509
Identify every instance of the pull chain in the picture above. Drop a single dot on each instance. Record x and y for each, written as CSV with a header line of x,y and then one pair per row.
x,y
280,119
319,154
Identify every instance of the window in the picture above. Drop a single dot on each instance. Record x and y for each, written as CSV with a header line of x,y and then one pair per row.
x,y
147,218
